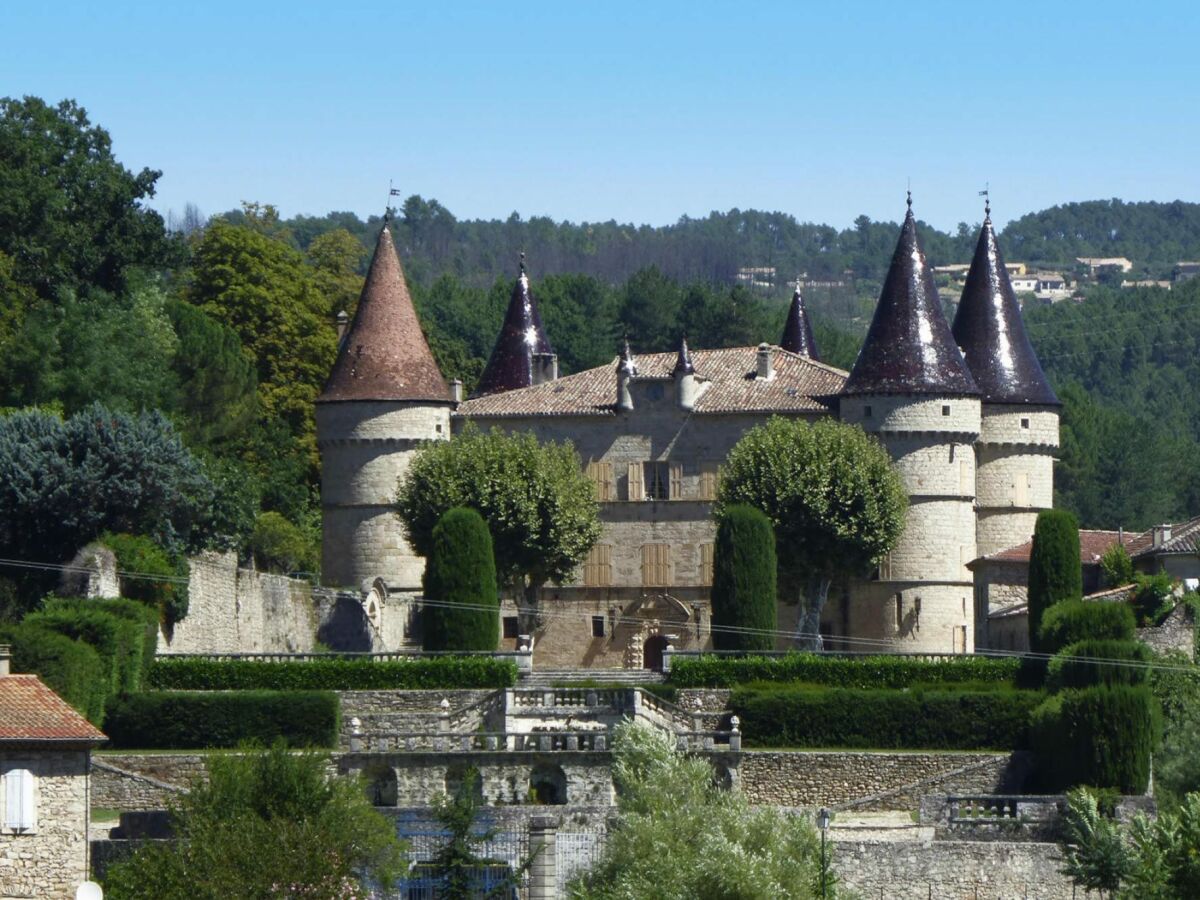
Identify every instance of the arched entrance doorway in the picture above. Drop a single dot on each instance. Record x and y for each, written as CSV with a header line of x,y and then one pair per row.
x,y
652,652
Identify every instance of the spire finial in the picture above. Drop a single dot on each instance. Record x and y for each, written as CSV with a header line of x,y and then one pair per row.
x,y
987,202
522,262
388,209
798,284
908,199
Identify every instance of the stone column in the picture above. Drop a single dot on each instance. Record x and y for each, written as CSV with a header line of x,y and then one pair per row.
x,y
543,871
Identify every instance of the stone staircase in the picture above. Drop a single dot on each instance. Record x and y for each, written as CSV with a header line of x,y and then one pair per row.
x,y
548,678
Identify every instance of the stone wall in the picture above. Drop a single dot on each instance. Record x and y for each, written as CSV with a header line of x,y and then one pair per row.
x,y
141,781
873,780
50,861
952,870
1177,633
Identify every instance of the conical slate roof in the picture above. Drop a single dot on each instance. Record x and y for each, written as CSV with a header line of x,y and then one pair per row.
x,y
683,361
521,336
909,348
384,355
991,334
798,333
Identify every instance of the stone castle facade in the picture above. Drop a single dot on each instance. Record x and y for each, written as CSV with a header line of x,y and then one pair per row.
x,y
965,412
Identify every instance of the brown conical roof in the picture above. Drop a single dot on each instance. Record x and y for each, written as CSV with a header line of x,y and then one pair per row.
x,y
384,355
991,333
909,348
798,333
521,336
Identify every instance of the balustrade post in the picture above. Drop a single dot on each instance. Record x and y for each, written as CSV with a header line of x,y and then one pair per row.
x,y
543,870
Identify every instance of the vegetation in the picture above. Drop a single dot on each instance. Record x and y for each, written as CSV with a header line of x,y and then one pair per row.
x,y
333,674
325,841
1176,686
120,641
833,671
150,574
1080,664
833,496
1072,621
179,720
462,610
744,587
680,837
277,545
71,668
1055,573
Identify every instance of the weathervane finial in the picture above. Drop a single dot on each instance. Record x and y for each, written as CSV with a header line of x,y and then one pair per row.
x,y
388,209
987,201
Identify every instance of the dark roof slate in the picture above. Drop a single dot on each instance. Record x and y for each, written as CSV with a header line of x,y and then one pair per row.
x,y
521,336
797,331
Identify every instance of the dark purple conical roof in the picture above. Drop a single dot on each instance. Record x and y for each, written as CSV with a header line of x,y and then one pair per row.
x,y
798,332
909,348
521,336
991,333
683,360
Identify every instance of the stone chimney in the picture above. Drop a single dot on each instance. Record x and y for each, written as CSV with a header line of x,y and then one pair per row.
x,y
766,368
343,323
5,659
1160,535
456,390
544,367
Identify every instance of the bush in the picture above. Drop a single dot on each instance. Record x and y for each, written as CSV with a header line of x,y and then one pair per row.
x,y
334,674
70,668
119,641
151,575
936,719
174,720
743,589
463,612
1073,621
837,671
1073,666
131,610
1153,598
279,546
1055,573
1099,736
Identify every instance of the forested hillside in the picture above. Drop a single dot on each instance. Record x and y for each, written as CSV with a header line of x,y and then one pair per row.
x,y
226,326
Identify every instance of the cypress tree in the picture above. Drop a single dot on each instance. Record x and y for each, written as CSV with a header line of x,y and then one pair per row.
x,y
463,608
1054,570
743,591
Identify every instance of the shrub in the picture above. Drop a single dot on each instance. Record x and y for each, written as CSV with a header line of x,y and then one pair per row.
x,y
1116,566
1153,598
1055,573
151,575
837,671
743,589
936,719
1099,736
119,641
174,720
1075,667
279,546
131,610
463,612
334,674
70,668
1078,620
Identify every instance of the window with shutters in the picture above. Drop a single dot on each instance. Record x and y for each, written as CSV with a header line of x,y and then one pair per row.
x,y
601,475
597,568
708,481
19,801
656,565
706,563
1021,489
676,486
657,480
635,488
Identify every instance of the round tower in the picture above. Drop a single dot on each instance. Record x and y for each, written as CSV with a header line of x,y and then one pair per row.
x,y
385,395
911,389
1019,435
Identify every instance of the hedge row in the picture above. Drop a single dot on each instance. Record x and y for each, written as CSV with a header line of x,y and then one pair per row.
x,y
836,671
1072,621
884,719
333,674
119,641
71,668
171,720
1079,665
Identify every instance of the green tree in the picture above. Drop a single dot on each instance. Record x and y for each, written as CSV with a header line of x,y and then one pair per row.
x,y
540,508
744,586
680,836
265,824
1096,855
1116,566
337,257
280,546
462,610
833,496
1054,569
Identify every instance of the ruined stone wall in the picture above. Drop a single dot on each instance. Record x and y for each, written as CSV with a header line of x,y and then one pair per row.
x,y
50,861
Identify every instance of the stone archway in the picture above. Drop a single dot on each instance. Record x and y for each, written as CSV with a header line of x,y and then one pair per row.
x,y
382,786
548,785
652,652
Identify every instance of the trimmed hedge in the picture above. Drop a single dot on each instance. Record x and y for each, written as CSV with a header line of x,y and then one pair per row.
x,y
1100,736
743,587
119,641
177,720
884,719
460,583
333,674
1073,621
70,668
838,671
1073,667
133,610
1055,574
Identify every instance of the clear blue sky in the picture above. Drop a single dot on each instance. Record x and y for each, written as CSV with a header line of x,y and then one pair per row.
x,y
635,111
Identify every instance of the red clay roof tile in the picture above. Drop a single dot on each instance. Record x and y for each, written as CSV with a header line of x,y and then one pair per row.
x,y
30,711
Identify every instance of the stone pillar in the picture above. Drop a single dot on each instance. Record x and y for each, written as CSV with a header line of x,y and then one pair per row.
x,y
543,871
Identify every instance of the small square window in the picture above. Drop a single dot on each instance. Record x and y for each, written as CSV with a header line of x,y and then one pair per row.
x,y
946,409
866,412
510,626
597,626
1024,423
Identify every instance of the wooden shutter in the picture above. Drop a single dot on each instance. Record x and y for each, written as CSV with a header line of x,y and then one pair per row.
x,y
600,474
597,568
636,488
708,481
706,563
676,485
656,565
19,812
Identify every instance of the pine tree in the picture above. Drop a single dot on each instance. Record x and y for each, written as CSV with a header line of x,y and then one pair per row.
x,y
1054,569
743,591
462,611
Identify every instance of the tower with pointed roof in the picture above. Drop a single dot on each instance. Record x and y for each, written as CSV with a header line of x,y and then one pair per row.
x,y
911,388
522,356
797,331
1019,436
384,396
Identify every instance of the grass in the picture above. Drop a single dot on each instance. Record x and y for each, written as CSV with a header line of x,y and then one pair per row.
x,y
101,814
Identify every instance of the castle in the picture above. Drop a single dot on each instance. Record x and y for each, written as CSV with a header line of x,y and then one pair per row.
x,y
965,412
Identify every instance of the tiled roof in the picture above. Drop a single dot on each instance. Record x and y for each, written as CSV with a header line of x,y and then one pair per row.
x,y
1185,538
798,385
1122,592
1092,546
30,711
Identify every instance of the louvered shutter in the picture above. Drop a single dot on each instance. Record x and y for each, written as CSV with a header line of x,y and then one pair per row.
x,y
708,481
676,486
637,490
706,563
19,812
